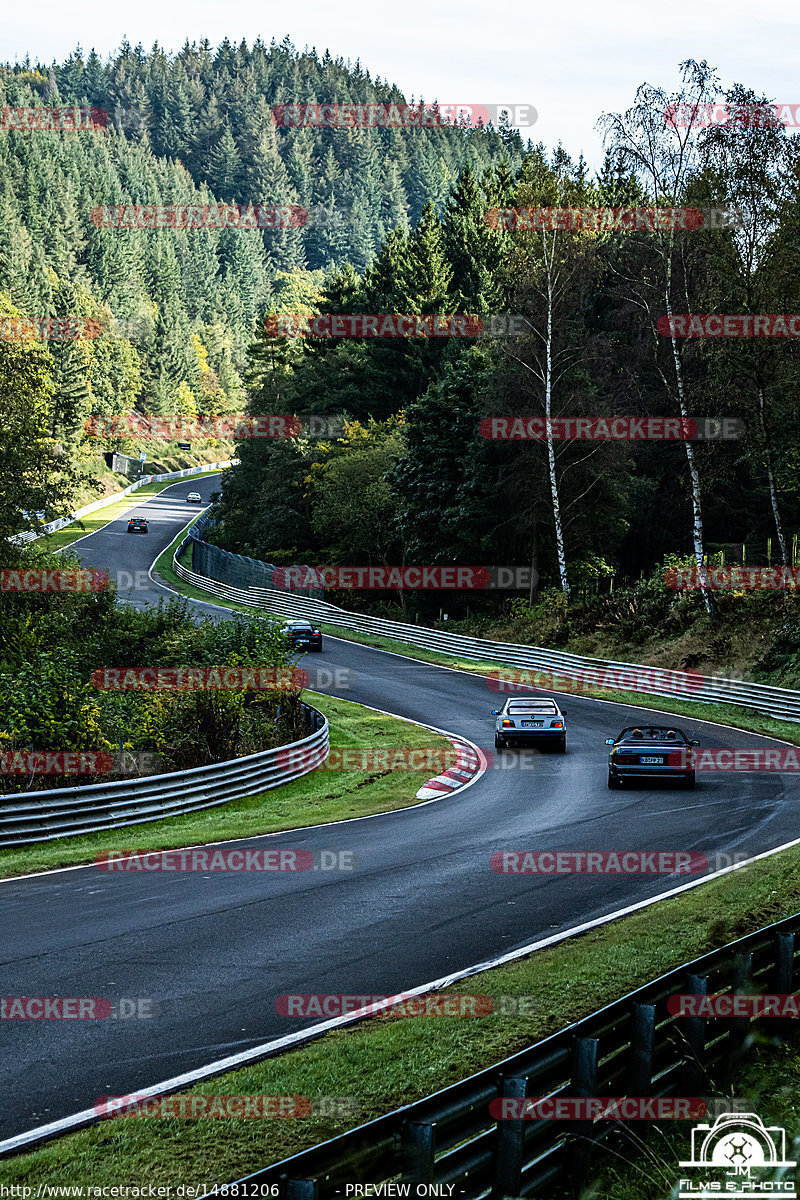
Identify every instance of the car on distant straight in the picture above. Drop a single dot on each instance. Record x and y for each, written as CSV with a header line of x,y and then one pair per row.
x,y
194,498
137,525
642,753
303,636
535,721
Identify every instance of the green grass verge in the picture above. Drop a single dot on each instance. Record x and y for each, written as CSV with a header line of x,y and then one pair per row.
x,y
83,526
313,799
386,1061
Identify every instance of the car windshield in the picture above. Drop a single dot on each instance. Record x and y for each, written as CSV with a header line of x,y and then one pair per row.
x,y
652,733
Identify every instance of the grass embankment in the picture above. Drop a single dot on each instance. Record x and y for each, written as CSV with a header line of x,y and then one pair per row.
x,y
385,1062
313,799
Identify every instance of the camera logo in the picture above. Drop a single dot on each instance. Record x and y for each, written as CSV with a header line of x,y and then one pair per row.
x,y
736,1145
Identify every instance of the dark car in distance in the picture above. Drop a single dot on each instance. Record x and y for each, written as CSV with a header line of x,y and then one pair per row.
x,y
303,636
137,525
643,753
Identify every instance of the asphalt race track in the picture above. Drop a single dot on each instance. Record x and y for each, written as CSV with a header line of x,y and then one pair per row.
x,y
216,950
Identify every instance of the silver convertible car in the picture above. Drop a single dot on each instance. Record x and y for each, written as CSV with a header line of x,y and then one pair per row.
x,y
642,753
531,721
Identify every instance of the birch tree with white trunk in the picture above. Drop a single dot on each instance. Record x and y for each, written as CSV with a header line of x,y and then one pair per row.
x,y
657,140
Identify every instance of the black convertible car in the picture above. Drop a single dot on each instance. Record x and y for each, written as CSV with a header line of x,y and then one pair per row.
x,y
645,752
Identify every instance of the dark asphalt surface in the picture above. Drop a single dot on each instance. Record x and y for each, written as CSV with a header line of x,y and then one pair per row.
x,y
216,950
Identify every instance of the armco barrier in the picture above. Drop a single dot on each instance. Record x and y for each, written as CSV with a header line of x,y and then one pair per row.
x,y
231,570
633,1047
778,702
27,817
53,526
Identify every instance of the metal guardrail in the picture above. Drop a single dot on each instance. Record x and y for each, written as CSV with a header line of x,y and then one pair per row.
x,y
27,817
778,702
632,1047
231,570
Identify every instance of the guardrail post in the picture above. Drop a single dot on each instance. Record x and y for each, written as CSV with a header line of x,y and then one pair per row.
x,y
742,985
418,1149
508,1144
301,1189
694,1034
783,977
784,963
643,1028
583,1085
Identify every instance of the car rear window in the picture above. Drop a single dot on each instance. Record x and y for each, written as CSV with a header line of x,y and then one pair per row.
x,y
541,706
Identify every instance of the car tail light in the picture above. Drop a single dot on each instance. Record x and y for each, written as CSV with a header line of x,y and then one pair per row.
x,y
506,724
556,724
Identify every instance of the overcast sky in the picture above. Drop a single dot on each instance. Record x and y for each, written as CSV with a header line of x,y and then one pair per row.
x,y
570,60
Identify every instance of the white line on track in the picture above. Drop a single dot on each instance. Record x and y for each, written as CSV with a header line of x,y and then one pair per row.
x,y
88,1116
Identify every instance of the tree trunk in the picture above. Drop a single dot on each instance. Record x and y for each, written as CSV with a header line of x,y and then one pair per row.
x,y
694,476
551,457
773,493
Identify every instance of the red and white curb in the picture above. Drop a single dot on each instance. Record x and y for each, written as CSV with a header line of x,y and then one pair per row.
x,y
468,764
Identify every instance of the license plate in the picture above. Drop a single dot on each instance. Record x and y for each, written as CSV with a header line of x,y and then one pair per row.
x,y
532,724
660,761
